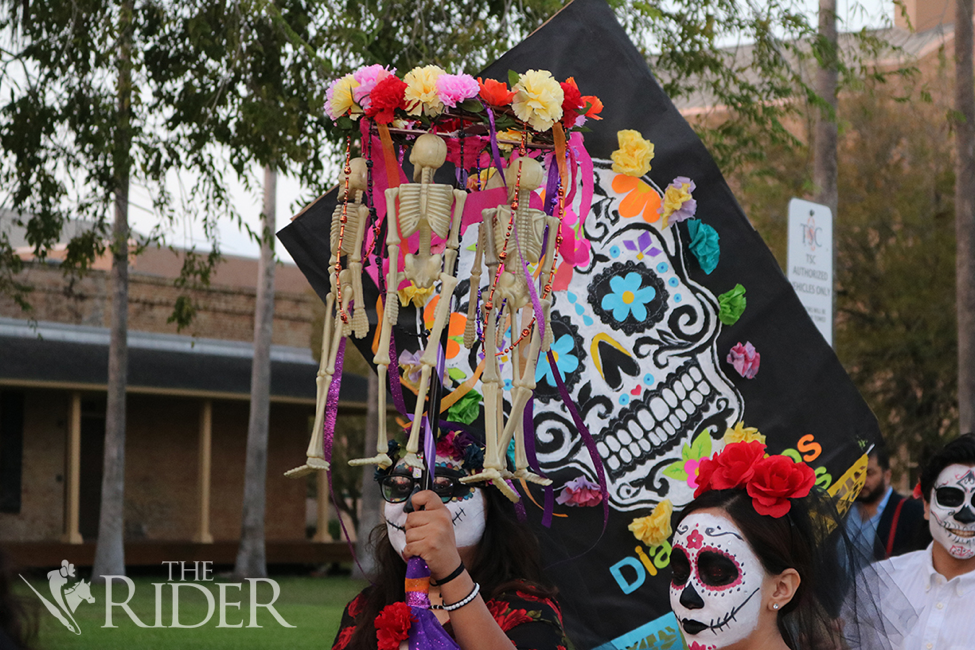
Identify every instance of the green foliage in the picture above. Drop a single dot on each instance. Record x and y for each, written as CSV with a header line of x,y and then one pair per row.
x,y
895,240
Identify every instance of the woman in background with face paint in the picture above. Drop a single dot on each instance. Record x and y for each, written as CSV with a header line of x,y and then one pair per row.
x,y
468,535
754,557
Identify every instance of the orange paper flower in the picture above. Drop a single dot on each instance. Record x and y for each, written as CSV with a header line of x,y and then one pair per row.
x,y
495,93
640,198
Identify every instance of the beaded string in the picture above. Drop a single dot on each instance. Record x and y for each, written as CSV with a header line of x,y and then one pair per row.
x,y
370,203
345,217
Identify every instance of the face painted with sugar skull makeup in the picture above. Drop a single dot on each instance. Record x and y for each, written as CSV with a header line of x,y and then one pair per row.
x,y
717,581
952,511
466,504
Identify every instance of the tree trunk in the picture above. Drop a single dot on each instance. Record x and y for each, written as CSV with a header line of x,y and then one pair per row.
x,y
110,548
370,504
251,559
965,212
825,134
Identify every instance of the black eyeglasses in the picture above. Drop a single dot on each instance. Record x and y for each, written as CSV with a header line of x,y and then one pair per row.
x,y
397,488
951,497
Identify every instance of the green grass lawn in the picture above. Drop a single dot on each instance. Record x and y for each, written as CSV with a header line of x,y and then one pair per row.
x,y
313,605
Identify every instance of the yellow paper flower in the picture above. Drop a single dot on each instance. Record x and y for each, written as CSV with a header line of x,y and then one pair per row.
x,y
339,100
741,433
654,529
538,99
674,199
421,91
634,155
415,294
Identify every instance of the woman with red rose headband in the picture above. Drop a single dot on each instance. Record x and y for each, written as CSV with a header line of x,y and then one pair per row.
x,y
756,559
487,588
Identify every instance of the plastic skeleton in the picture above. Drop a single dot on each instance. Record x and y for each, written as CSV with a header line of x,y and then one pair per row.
x,y
424,207
346,286
505,242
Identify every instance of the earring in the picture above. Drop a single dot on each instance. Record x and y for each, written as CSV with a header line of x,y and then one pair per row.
x,y
775,605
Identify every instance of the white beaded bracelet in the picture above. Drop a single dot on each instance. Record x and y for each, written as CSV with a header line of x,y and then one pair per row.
x,y
471,596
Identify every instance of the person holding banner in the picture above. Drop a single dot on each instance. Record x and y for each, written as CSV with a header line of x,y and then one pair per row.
x,y
486,587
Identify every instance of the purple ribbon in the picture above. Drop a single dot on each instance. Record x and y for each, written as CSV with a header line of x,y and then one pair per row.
x,y
529,427
530,281
395,385
494,142
586,439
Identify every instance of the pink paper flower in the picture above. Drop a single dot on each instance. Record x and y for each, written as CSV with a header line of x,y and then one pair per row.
x,y
580,492
745,359
368,77
455,88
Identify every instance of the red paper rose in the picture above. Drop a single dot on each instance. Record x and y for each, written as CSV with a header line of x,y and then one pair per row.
x,y
388,96
776,480
731,468
571,102
343,638
393,625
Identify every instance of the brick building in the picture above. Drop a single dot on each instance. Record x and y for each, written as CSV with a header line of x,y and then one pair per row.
x,y
187,414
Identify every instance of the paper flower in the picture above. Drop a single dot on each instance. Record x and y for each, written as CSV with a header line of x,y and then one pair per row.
x,y
678,204
339,100
741,433
628,297
421,91
367,78
393,625
466,409
409,367
452,89
731,468
580,492
495,93
654,529
745,360
731,305
417,295
634,155
571,102
704,244
565,360
538,99
776,480
386,98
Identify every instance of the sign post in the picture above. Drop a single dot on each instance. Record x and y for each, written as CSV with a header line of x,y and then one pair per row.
x,y
810,262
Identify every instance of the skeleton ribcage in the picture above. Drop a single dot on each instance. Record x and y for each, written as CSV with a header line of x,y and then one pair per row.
x,y
351,227
438,198
531,230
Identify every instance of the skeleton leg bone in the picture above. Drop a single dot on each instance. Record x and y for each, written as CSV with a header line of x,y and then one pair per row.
x,y
382,362
331,337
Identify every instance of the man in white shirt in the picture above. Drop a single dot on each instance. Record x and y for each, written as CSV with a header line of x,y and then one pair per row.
x,y
939,581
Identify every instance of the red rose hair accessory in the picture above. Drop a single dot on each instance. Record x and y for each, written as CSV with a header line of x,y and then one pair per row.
x,y
917,493
771,481
393,625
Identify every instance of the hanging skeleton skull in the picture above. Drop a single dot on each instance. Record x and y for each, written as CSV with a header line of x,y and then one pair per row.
x,y
952,510
717,581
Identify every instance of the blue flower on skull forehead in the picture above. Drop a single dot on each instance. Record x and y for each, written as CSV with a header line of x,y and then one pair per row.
x,y
566,361
628,297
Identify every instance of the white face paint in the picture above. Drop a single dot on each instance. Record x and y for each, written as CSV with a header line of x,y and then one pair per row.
x,y
953,511
467,513
717,583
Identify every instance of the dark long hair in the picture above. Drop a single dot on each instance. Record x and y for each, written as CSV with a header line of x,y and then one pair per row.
x,y
506,558
806,539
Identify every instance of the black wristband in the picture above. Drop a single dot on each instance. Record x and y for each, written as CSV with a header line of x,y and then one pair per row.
x,y
453,574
